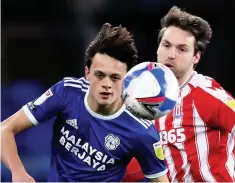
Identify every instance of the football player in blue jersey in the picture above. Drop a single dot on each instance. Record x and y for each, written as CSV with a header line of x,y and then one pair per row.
x,y
94,136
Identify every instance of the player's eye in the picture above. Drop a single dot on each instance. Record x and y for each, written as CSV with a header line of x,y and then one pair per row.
x,y
166,45
115,78
182,48
99,75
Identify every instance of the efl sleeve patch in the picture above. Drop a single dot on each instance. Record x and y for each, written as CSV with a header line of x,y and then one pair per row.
x,y
158,151
231,104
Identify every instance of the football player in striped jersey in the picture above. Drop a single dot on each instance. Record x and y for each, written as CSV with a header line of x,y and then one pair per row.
x,y
94,136
198,135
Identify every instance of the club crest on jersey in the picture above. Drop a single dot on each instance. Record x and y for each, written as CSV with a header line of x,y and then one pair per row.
x,y
111,142
178,111
158,150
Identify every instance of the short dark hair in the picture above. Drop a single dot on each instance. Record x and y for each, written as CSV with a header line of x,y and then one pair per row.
x,y
197,26
116,42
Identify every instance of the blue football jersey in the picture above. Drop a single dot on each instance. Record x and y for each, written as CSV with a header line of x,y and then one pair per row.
x,y
87,146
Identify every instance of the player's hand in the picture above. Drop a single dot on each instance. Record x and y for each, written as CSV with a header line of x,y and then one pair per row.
x,y
22,176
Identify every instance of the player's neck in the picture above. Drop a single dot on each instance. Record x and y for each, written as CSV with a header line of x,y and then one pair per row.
x,y
105,110
111,109
185,78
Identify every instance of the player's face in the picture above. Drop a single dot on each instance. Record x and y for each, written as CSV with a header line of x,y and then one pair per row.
x,y
106,76
176,50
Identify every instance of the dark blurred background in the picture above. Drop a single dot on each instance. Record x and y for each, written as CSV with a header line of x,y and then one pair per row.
x,y
44,41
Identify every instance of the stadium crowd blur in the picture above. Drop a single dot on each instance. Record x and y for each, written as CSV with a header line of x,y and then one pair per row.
x,y
44,41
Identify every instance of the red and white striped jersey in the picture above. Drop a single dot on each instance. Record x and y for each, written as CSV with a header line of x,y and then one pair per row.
x,y
198,135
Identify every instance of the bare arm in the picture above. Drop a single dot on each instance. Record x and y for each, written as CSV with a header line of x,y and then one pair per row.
x,y
162,178
9,154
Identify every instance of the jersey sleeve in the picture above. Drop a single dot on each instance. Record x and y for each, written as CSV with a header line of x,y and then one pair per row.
x,y
47,106
216,107
150,154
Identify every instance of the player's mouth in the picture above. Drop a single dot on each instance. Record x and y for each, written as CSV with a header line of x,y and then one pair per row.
x,y
168,65
105,95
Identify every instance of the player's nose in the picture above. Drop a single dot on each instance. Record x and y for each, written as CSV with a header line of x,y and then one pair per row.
x,y
172,53
107,83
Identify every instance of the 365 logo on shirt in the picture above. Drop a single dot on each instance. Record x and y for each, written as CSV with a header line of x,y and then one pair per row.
x,y
175,135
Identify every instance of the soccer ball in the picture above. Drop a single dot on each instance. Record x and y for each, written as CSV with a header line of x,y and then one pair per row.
x,y
150,90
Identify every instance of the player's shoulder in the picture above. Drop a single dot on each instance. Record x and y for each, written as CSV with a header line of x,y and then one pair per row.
x,y
202,81
70,87
73,84
139,124
210,86
143,130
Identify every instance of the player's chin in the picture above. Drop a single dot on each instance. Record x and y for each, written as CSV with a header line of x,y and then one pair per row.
x,y
105,102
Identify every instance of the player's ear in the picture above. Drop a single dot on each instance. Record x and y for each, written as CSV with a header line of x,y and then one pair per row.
x,y
87,73
197,57
157,51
